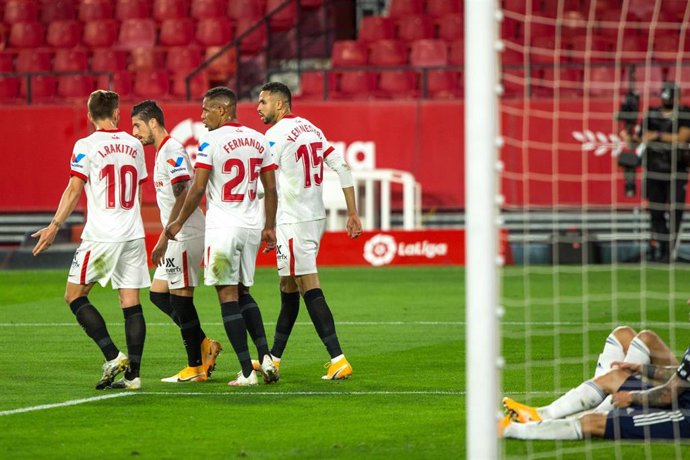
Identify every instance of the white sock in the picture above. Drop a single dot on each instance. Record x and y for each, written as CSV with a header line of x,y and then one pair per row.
x,y
605,406
587,396
548,429
638,352
335,360
613,351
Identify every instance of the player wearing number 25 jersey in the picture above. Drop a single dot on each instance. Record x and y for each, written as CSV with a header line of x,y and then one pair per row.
x,y
300,150
231,159
109,165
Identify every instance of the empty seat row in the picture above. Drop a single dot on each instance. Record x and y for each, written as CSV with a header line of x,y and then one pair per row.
x,y
637,10
434,8
426,52
410,28
360,84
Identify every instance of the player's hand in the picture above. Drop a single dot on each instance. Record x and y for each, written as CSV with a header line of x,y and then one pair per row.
x,y
621,399
159,250
46,236
633,368
172,229
353,226
269,236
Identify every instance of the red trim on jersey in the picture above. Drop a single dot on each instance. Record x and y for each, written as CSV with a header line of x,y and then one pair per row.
x,y
208,256
84,266
79,175
232,123
179,179
109,131
143,180
292,258
328,152
203,166
162,143
290,115
269,168
185,269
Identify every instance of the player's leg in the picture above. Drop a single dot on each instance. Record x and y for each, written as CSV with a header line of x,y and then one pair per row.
x,y
638,423
678,205
561,429
255,326
647,347
615,348
657,209
237,334
587,395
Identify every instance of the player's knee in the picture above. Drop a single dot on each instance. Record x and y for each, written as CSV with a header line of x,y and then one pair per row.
x,y
649,338
593,424
624,334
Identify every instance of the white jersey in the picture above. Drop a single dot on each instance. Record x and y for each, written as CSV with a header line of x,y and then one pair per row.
x,y
299,149
112,165
236,156
172,165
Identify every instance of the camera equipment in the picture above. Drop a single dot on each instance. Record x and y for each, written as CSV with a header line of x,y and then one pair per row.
x,y
628,159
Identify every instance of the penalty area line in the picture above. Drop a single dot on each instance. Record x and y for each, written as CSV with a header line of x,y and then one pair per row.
x,y
74,402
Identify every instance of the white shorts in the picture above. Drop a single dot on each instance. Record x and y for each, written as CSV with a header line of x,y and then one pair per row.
x,y
181,265
230,256
123,264
298,246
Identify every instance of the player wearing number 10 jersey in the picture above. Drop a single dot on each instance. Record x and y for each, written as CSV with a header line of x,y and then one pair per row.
x,y
231,159
300,150
109,165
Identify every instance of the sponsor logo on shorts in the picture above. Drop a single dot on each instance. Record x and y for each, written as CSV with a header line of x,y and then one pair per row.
x,y
381,249
170,267
281,258
75,261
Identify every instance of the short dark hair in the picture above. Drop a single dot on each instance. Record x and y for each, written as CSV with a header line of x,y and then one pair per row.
x,y
280,88
102,104
148,110
222,92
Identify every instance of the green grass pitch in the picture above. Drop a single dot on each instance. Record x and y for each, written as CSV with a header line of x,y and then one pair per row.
x,y
402,328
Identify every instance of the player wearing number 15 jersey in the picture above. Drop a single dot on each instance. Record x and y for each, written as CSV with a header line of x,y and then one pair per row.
x,y
109,165
231,159
300,150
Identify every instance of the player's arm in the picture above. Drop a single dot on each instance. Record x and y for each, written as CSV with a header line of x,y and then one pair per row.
x,y
662,395
336,162
191,202
651,371
268,181
68,201
179,190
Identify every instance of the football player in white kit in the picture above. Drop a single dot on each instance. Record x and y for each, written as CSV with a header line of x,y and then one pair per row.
x,y
178,262
300,149
231,159
109,165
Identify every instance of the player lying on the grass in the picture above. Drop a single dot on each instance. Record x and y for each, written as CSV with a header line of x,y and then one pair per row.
x,y
648,399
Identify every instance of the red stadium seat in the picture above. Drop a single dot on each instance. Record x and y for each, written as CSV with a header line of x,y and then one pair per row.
x,y
40,60
109,59
450,28
543,50
42,88
439,8
135,33
388,53
514,84
183,59
415,27
93,10
132,9
198,86
176,32
214,31
566,83
308,4
62,10
170,9
283,19
141,59
312,85
9,89
120,82
151,85
443,84
255,40
64,34
511,56
357,84
209,8
246,9
99,34
400,8
429,53
348,53
223,66
75,86
71,59
597,49
373,28
26,35
398,85
456,53
21,11
7,61
600,81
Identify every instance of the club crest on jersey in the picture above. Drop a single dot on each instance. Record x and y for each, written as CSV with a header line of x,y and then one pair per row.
x,y
78,157
175,163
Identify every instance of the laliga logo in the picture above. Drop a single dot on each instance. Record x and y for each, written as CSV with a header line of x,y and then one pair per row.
x,y
381,249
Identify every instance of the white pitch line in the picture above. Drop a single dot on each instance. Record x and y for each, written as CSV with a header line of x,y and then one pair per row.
x,y
74,402
304,393
268,323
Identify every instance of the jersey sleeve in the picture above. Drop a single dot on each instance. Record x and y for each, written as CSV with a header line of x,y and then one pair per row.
x,y
268,162
143,172
176,165
334,159
204,157
79,163
274,145
684,369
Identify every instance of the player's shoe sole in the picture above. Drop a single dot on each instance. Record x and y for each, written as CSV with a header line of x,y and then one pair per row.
x,y
521,413
124,384
269,370
111,369
502,425
339,370
210,349
188,374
